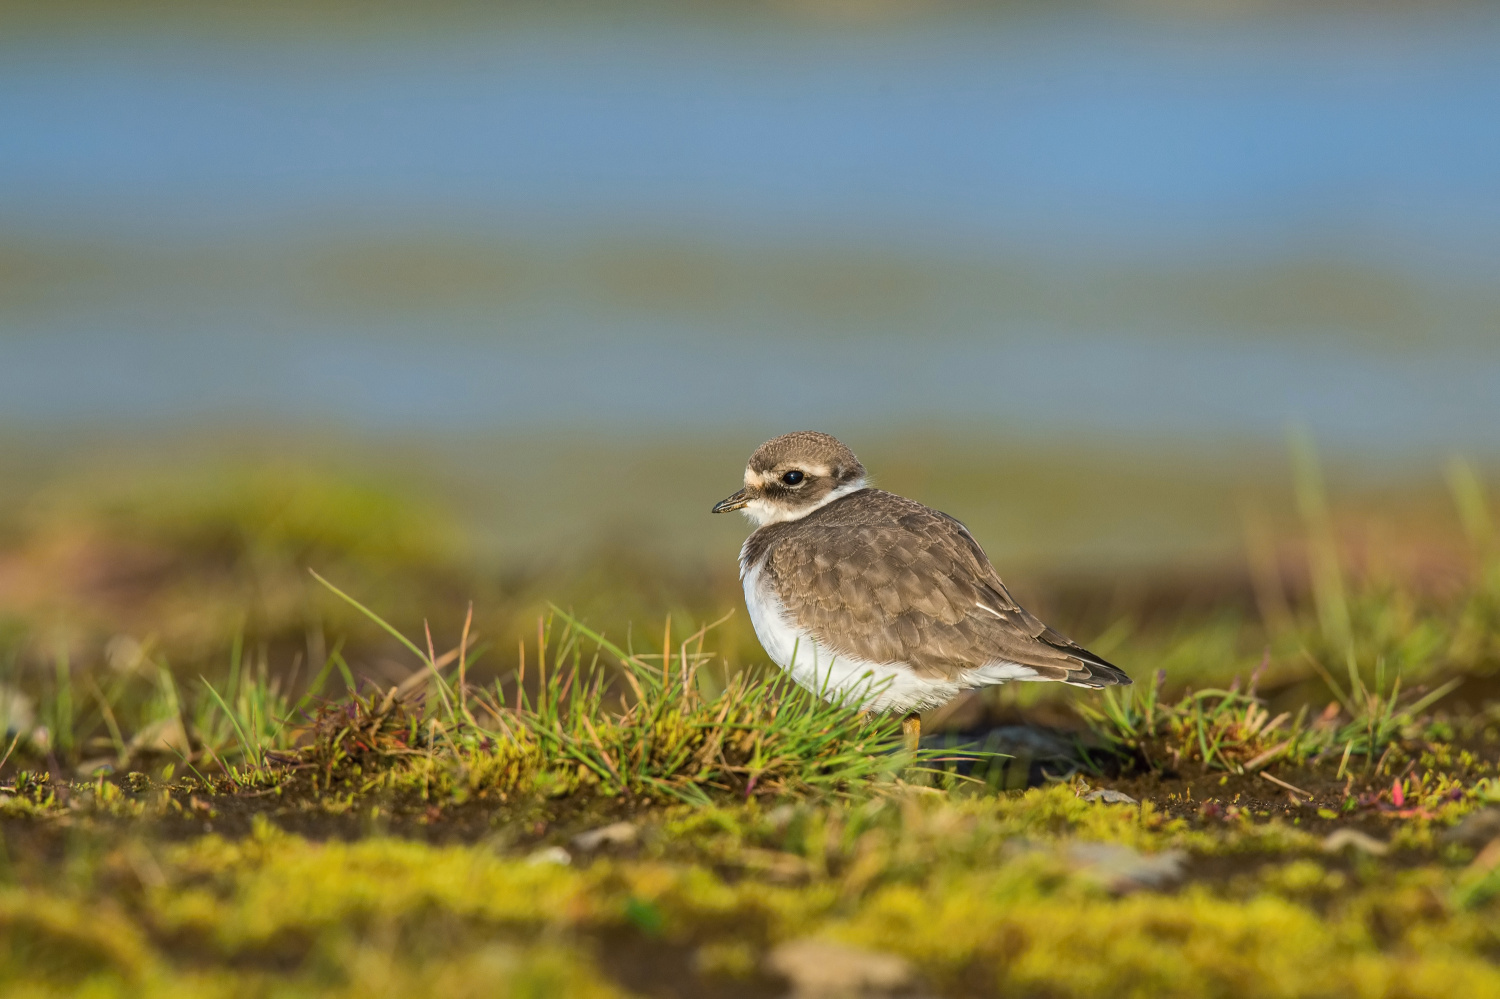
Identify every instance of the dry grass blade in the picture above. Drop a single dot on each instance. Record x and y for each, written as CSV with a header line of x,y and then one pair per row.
x,y
1269,755
1290,787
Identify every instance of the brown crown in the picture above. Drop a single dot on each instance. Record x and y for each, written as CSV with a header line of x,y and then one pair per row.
x,y
811,448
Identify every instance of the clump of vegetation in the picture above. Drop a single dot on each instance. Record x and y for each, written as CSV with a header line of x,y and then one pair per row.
x,y
1233,731
602,718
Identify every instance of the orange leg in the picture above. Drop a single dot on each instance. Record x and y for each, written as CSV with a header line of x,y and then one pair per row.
x,y
911,728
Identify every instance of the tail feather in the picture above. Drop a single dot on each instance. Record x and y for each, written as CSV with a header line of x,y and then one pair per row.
x,y
1077,671
1082,667
1089,670
1095,672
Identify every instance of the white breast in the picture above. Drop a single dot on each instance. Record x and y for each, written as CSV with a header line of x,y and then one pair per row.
x,y
856,683
844,680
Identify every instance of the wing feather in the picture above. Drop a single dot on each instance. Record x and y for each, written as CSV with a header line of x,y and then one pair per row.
x,y
887,580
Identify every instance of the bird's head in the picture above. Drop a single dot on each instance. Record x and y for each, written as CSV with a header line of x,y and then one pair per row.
x,y
791,476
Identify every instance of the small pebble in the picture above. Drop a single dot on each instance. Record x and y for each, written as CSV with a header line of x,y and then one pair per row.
x,y
614,834
819,969
1122,869
1477,828
1110,796
1340,838
550,855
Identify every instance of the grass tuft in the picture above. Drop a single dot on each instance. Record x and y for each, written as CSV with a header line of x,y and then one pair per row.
x,y
599,717
1233,731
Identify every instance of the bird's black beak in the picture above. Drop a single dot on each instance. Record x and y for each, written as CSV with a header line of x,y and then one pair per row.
x,y
735,502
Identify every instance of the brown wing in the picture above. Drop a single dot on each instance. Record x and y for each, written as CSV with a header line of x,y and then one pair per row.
x,y
887,580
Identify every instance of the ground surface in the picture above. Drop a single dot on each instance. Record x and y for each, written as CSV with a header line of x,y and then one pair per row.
x,y
226,778
1204,884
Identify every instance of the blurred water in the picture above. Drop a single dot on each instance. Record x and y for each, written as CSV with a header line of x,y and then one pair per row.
x,y
1074,226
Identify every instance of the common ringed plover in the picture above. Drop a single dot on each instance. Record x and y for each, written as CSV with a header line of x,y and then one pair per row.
x,y
876,601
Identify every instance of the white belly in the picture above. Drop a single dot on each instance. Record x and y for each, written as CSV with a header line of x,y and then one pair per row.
x,y
845,680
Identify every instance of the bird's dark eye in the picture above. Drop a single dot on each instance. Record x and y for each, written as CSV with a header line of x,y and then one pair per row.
x,y
792,478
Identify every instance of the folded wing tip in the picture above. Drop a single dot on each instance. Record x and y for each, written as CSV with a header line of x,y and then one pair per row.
x,y
1098,673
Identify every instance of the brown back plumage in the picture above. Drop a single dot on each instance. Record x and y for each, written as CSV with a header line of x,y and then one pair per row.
x,y
885,579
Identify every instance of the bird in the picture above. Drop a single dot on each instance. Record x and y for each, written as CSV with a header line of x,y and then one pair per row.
x,y
876,602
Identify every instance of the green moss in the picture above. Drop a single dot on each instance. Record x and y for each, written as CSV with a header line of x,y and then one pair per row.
x,y
67,941
999,891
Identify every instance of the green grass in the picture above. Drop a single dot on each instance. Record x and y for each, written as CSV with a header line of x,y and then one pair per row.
x,y
607,720
1233,731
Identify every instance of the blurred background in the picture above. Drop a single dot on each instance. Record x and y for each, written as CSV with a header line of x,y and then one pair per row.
x,y
459,301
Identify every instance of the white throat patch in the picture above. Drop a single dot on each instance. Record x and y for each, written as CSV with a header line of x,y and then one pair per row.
x,y
762,513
